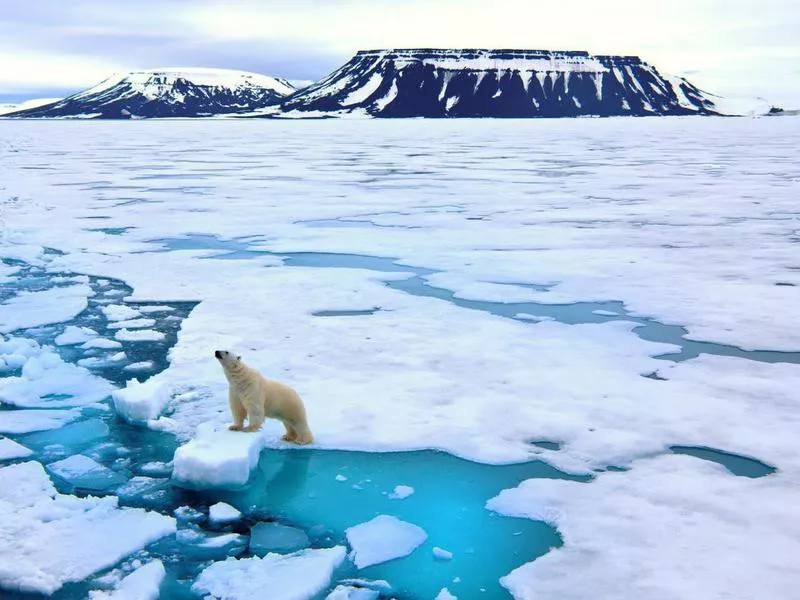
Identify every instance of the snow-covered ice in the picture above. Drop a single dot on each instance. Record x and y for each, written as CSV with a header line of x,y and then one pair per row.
x,y
382,539
32,309
297,576
142,584
9,449
120,312
141,402
346,592
26,421
682,528
49,539
73,334
445,594
139,335
222,513
102,343
692,222
48,381
218,459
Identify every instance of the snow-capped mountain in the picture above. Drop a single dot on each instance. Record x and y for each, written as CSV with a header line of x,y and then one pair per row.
x,y
169,93
498,83
35,103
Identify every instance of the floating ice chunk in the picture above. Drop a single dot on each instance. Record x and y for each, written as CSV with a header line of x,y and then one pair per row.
x,y
218,459
221,513
445,594
102,343
141,402
132,324
187,513
139,335
26,421
341,477
33,309
119,312
99,362
287,577
156,468
224,540
83,472
442,554
605,313
156,308
274,537
75,335
345,592
145,365
58,538
382,539
9,449
47,381
401,491
143,584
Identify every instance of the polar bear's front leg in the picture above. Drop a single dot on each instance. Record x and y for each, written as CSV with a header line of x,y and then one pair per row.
x,y
237,410
255,418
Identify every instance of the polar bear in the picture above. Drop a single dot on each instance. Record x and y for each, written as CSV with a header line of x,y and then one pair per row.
x,y
252,395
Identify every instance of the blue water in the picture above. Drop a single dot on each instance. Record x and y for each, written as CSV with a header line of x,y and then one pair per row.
x,y
743,466
299,487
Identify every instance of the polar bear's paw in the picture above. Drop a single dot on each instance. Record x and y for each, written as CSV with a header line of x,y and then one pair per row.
x,y
235,427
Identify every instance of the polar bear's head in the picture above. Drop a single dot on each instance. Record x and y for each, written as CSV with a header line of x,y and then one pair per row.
x,y
228,360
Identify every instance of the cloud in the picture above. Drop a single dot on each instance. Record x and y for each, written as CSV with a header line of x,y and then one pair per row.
x,y
727,43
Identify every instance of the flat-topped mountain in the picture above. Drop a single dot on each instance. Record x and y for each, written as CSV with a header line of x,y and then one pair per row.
x,y
498,83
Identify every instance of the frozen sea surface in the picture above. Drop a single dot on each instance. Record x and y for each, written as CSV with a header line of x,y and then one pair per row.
x,y
590,296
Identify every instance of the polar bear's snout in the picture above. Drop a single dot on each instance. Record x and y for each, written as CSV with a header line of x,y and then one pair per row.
x,y
218,354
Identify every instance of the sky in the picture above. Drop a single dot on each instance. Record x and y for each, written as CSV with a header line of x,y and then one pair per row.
x,y
51,48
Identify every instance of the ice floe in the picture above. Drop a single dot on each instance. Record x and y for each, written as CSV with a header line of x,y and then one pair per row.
x,y
142,584
287,577
382,539
49,539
